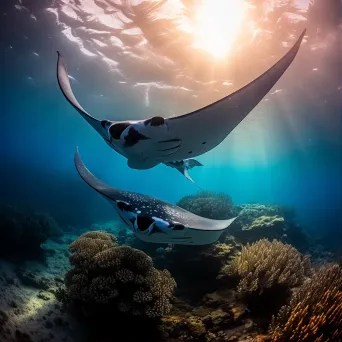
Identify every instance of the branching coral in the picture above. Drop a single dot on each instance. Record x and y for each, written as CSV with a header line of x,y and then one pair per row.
x,y
264,264
122,279
209,204
315,310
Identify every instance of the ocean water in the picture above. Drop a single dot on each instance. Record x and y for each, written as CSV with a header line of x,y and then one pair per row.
x,y
131,62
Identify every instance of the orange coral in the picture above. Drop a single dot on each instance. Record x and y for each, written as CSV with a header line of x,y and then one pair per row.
x,y
315,310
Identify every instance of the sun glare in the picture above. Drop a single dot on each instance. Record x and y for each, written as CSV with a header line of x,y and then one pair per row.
x,y
216,25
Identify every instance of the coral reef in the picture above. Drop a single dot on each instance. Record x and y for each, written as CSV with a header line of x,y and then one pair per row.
x,y
264,264
315,310
272,227
106,278
257,221
219,318
264,274
22,233
195,268
208,204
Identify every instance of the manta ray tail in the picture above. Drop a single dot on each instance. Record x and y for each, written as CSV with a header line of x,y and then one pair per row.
x,y
185,173
64,84
193,162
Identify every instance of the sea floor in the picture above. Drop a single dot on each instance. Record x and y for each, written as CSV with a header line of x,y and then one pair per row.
x,y
30,312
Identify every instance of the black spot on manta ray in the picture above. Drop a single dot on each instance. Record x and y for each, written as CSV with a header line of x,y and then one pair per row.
x,y
116,130
190,152
104,123
155,121
204,142
121,205
144,222
133,137
178,226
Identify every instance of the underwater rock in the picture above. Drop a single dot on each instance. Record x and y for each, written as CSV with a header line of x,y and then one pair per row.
x,y
195,268
22,233
208,204
315,310
270,227
45,295
22,336
111,280
205,324
257,221
34,279
3,318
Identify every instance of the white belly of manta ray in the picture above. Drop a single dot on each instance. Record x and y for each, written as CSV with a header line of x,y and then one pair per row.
x,y
147,143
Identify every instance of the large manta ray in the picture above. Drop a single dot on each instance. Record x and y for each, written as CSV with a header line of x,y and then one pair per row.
x,y
147,143
153,220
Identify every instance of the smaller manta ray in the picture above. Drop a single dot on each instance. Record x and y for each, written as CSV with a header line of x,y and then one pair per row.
x,y
153,220
147,143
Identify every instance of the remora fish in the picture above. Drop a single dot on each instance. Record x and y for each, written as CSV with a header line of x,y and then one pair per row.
x,y
153,220
147,143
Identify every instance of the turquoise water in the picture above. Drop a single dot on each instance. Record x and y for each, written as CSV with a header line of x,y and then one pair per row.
x,y
287,151
70,270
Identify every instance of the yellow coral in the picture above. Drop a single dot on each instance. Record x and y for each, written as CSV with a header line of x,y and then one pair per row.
x,y
88,245
264,264
264,222
315,310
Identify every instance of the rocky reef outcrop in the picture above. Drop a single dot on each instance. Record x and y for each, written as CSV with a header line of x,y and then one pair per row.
x,y
23,232
209,204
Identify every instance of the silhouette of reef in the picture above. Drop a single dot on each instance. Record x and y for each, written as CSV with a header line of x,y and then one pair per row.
x,y
23,232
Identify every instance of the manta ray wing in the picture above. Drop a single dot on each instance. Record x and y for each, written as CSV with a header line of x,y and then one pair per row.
x,y
64,84
202,130
153,220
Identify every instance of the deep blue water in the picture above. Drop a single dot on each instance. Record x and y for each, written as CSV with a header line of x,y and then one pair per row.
x,y
288,151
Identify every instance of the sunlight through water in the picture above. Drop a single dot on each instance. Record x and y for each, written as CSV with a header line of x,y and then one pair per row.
x,y
217,23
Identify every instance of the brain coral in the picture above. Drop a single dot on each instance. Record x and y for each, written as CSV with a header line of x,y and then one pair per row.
x,y
264,264
122,279
209,204
315,310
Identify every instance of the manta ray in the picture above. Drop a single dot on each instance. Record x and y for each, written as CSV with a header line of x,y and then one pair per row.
x,y
172,141
153,220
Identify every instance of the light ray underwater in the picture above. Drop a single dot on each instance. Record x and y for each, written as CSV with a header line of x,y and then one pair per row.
x,y
212,212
